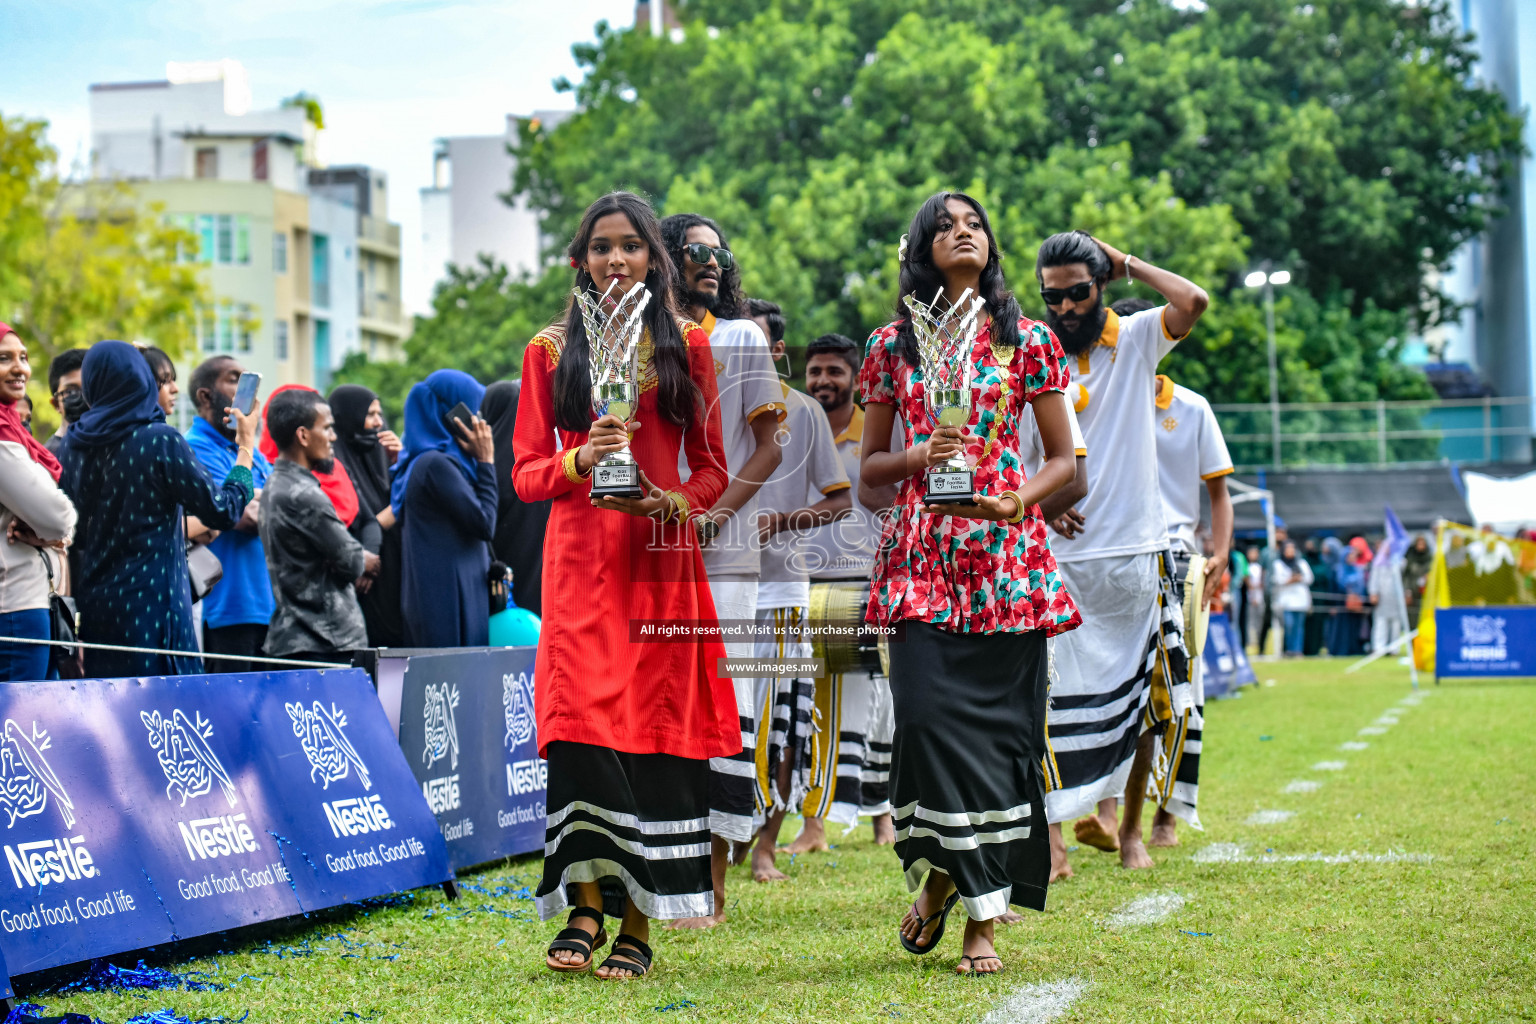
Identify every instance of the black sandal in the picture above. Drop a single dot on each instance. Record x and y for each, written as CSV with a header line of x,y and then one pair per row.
x,y
984,956
637,958
576,940
910,945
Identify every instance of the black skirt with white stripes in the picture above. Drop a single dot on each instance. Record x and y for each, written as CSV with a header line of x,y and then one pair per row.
x,y
967,777
637,824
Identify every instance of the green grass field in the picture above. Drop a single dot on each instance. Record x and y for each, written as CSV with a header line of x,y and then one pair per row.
x,y
1428,915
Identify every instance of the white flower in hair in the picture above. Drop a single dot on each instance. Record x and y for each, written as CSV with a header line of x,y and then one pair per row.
x,y
901,250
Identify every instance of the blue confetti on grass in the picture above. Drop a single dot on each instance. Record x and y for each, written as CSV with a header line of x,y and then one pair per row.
x,y
101,976
169,1016
1199,935
686,1004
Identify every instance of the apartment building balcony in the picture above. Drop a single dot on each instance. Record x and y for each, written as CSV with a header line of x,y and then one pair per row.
x,y
378,236
380,312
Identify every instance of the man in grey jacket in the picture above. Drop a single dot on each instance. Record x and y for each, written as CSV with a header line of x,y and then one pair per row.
x,y
313,560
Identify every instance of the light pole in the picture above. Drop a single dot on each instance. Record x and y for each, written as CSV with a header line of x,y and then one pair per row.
x,y
1268,279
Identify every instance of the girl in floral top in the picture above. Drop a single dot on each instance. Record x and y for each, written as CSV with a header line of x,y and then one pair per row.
x,y
974,589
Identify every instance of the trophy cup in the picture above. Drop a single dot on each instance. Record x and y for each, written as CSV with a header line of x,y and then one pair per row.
x,y
614,328
944,341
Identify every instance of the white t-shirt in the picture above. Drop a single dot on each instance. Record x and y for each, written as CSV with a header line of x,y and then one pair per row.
x,y
809,471
749,387
1190,449
845,549
1032,445
1124,506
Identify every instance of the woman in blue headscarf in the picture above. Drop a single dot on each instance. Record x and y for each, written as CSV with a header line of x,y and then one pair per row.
x,y
131,476
444,496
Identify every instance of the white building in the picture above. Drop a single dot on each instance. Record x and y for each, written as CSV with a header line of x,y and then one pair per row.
x,y
284,256
463,214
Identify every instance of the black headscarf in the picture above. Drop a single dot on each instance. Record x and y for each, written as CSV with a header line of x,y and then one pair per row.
x,y
520,525
359,449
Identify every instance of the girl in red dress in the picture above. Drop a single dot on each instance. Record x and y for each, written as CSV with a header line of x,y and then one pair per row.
x,y
627,724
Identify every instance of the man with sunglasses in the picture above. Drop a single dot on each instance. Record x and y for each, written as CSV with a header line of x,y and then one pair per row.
x,y
751,405
1112,550
66,396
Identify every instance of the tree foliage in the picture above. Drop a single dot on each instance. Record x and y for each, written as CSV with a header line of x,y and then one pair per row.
x,y
83,262
482,319
1343,139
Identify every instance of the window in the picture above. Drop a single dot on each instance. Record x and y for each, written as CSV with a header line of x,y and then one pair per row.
x,y
243,329
226,238
226,328
184,222
322,353
207,162
320,271
259,161
243,241
280,340
280,252
205,330
205,238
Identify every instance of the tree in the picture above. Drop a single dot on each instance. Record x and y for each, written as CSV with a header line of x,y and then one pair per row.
x,y
80,262
1342,139
483,318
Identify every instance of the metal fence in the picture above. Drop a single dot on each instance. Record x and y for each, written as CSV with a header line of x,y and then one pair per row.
x,y
1378,433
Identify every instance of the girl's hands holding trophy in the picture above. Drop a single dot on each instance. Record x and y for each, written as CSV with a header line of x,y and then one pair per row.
x,y
942,445
611,434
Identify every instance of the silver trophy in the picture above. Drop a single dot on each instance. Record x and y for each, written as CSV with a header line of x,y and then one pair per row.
x,y
944,341
614,329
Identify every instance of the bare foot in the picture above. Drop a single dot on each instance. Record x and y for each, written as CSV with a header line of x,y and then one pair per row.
x,y
763,868
691,923
812,838
1163,830
1008,917
979,955
885,830
1133,854
1091,831
739,852
1060,869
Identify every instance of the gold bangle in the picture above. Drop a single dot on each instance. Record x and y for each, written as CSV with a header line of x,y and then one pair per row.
x,y
568,463
680,507
1019,517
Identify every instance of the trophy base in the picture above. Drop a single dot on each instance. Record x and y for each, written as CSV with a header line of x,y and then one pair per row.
x,y
954,487
622,481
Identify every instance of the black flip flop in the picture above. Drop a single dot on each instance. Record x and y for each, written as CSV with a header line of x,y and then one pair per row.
x,y
910,945
985,956
637,958
576,940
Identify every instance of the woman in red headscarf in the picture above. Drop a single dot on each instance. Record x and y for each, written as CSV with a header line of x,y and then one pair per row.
x,y
35,516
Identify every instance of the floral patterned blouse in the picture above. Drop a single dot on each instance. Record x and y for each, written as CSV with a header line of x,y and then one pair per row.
x,y
970,575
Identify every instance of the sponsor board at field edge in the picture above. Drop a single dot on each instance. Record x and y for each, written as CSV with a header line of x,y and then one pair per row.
x,y
1489,640
135,811
467,731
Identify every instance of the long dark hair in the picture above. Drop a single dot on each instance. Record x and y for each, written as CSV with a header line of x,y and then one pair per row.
x,y
677,396
921,278
730,304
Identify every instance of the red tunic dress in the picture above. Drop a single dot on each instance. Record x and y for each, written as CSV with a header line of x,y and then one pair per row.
x,y
596,683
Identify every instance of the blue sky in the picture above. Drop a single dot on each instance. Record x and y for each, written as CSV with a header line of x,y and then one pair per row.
x,y
393,75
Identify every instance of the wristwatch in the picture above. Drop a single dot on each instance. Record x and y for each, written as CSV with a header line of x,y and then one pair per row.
x,y
708,528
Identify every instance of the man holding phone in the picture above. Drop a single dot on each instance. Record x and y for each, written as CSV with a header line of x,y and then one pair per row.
x,y
239,607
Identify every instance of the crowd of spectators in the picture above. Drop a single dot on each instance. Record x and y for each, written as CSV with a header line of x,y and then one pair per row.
x,y
304,530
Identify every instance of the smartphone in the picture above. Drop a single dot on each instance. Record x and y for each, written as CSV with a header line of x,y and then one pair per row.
x,y
462,414
245,396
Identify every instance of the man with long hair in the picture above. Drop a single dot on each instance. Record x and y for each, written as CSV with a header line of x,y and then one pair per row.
x,y
1113,561
751,407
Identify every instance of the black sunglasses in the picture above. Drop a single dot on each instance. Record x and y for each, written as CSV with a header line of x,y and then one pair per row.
x,y
1077,293
700,254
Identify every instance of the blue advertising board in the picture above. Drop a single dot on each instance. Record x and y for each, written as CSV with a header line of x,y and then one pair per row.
x,y
137,811
1224,661
467,728
1492,640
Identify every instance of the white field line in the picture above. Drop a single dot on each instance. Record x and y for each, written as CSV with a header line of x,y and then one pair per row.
x,y
1302,786
1354,745
1269,817
1144,910
1232,853
1372,730
1330,766
1037,1003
